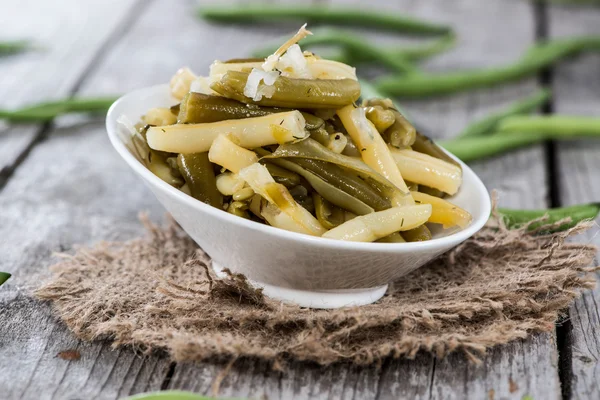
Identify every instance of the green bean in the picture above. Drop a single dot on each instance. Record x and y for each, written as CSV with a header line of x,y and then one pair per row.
x,y
293,93
551,126
14,47
418,234
393,238
4,277
489,123
199,174
475,148
380,117
157,163
401,133
326,190
318,14
368,92
310,149
200,108
320,135
424,144
538,57
49,110
357,50
431,191
328,215
284,176
238,208
516,218
169,395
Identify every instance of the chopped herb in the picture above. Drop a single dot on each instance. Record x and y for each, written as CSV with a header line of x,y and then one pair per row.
x,y
417,201
297,137
402,222
363,149
308,91
163,130
281,123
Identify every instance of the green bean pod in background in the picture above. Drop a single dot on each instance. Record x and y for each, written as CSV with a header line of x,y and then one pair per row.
x,y
170,395
480,147
293,93
346,15
14,47
551,126
4,276
516,218
536,58
47,111
199,174
489,123
357,50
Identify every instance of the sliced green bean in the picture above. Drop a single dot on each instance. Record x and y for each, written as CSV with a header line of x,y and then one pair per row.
x,y
310,149
326,190
284,176
380,117
552,126
369,91
393,238
418,234
238,208
47,111
319,14
328,215
293,93
489,123
199,174
320,135
4,277
538,57
426,145
431,191
200,108
516,218
401,133
14,47
157,163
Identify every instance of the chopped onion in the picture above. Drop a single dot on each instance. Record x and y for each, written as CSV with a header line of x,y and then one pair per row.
x,y
202,85
255,90
293,64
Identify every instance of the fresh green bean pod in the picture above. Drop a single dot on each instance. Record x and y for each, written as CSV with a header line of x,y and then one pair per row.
x,y
200,108
479,147
354,47
516,218
170,395
4,277
47,111
418,234
425,145
199,174
552,126
490,123
538,57
293,93
14,47
320,14
328,215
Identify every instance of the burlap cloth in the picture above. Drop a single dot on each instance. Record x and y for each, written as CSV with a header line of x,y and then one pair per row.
x,y
158,293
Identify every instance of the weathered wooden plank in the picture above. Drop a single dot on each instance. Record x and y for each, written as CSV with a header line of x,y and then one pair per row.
x,y
577,92
68,35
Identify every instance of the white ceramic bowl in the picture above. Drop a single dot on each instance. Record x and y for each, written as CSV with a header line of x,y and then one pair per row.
x,y
306,270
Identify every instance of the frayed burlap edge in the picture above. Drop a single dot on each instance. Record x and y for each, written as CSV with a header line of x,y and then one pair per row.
x,y
158,293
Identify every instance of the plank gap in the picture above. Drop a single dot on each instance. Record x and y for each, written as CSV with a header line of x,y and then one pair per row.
x,y
167,380
7,172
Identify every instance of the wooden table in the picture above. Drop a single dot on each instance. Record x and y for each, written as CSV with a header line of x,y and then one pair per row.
x,y
61,184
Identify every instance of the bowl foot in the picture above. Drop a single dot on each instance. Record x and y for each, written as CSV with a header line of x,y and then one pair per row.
x,y
317,299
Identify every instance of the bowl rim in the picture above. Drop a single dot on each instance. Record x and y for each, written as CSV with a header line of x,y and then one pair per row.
x,y
431,245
